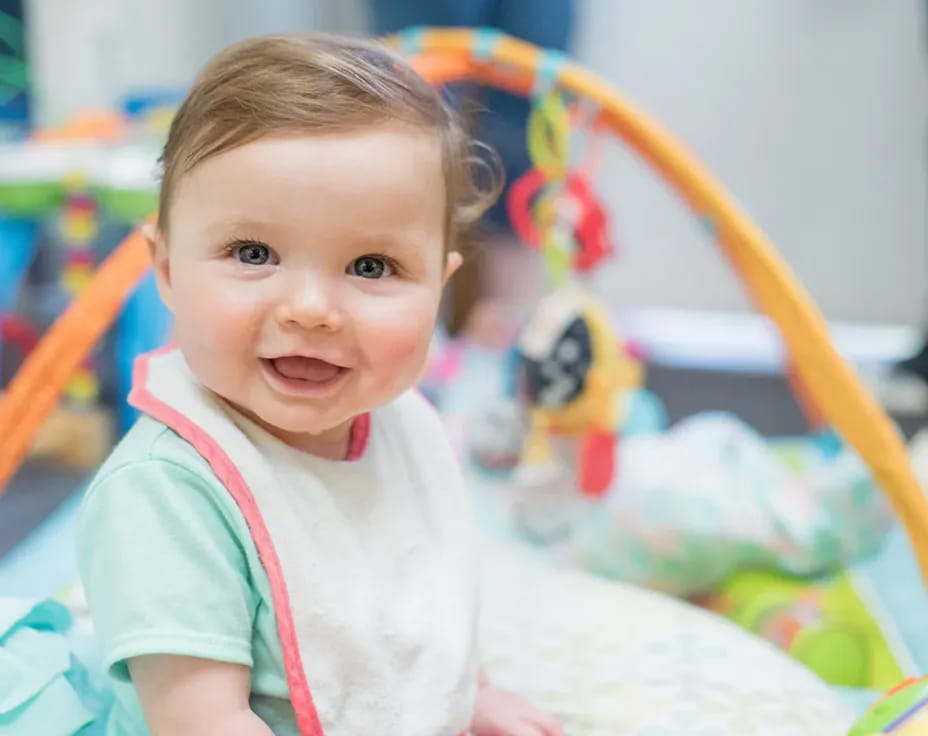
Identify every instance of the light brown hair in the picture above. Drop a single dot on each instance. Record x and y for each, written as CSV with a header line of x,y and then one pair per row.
x,y
317,83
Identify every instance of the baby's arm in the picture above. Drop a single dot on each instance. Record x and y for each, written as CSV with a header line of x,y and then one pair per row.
x,y
184,696
168,586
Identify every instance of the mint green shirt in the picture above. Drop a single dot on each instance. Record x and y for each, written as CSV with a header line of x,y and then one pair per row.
x,y
169,567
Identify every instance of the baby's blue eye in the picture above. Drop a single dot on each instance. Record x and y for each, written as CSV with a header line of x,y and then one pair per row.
x,y
253,254
370,267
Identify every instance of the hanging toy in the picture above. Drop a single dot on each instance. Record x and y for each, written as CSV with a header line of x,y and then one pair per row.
x,y
573,374
553,207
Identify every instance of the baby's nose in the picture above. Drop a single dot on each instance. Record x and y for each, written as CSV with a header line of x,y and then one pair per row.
x,y
311,304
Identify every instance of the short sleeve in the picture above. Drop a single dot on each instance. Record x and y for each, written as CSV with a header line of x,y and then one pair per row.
x,y
163,567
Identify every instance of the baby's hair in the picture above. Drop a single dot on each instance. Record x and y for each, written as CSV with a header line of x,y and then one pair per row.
x,y
317,83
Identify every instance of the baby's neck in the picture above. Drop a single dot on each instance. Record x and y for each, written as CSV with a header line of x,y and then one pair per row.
x,y
332,445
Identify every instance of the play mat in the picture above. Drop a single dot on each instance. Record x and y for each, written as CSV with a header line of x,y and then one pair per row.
x,y
611,659
608,659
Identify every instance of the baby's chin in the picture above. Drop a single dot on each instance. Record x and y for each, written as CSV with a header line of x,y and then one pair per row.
x,y
305,424
295,418
292,421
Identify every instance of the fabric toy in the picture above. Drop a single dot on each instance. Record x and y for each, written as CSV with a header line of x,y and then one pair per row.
x,y
572,374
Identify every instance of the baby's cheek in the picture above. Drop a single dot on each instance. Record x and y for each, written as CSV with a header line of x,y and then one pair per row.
x,y
206,325
403,344
398,346
215,332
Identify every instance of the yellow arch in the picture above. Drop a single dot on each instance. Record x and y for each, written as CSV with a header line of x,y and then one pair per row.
x,y
445,55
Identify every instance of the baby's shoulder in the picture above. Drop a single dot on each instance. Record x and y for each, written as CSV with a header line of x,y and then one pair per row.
x,y
150,442
152,460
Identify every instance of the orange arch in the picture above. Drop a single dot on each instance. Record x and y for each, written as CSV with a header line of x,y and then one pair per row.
x,y
447,55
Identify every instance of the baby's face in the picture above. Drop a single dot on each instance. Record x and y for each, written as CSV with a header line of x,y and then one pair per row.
x,y
305,272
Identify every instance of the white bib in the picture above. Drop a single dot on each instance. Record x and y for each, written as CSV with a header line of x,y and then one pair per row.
x,y
370,562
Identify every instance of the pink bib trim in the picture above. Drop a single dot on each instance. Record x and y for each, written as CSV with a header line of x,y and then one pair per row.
x,y
141,398
360,434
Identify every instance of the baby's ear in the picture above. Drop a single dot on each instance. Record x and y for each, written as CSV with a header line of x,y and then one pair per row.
x,y
157,247
453,262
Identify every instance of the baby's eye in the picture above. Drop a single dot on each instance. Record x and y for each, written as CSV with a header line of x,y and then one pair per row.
x,y
254,254
370,267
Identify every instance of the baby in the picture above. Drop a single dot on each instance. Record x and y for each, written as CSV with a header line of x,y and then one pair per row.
x,y
283,543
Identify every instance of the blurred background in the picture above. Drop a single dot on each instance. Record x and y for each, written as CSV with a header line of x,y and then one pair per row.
x,y
812,114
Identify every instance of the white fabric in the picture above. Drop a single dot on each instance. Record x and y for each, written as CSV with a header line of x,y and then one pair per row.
x,y
378,556
609,659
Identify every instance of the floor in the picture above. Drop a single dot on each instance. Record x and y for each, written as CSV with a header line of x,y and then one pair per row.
x,y
763,401
33,494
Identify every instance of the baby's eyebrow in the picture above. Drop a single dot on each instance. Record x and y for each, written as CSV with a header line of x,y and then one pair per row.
x,y
389,243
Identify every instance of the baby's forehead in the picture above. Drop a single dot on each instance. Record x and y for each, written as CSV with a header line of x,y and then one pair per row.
x,y
382,184
391,154
306,152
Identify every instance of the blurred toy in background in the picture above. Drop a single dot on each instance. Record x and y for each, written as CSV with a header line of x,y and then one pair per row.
x,y
555,434
571,378
903,711
569,373
690,506
710,497
588,471
67,195
553,206
707,508
573,375
826,623
80,433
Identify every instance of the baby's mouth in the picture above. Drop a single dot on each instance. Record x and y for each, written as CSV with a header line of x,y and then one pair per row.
x,y
310,370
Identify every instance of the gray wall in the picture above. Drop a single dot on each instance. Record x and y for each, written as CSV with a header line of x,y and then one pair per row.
x,y
812,112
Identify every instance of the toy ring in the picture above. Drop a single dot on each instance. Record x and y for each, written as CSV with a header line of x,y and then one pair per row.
x,y
549,136
589,229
